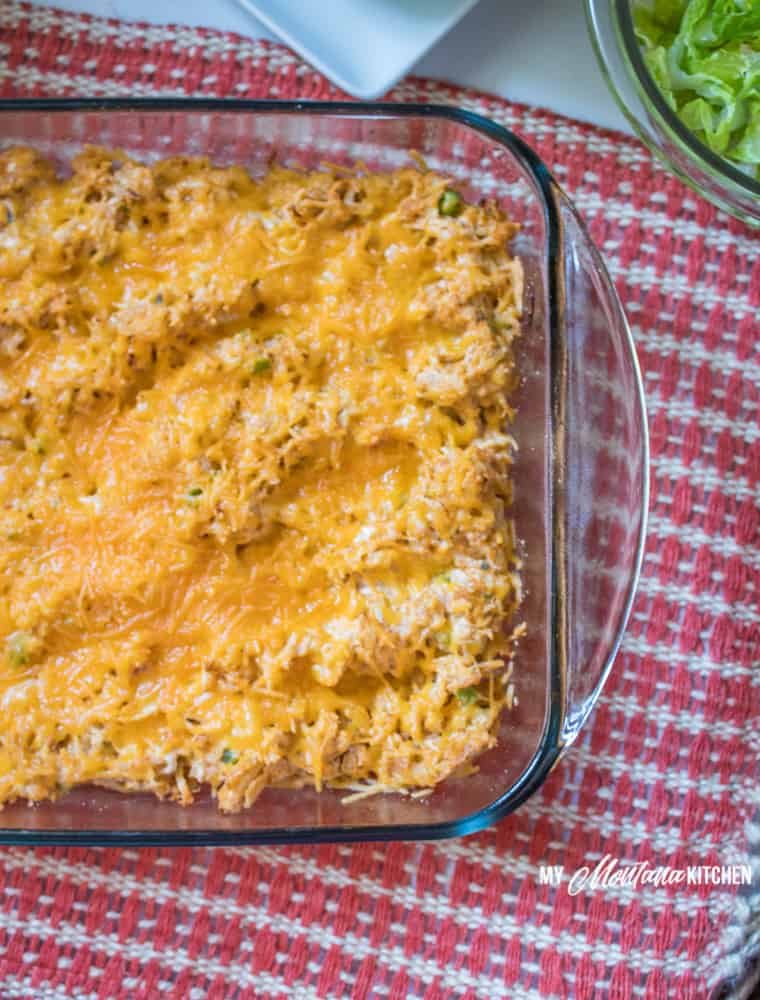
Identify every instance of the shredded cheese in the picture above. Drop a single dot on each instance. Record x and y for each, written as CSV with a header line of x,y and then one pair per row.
x,y
254,478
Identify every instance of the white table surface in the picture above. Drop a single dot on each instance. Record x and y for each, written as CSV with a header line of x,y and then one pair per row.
x,y
535,51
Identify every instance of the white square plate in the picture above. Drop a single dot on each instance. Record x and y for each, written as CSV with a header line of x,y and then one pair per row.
x,y
363,46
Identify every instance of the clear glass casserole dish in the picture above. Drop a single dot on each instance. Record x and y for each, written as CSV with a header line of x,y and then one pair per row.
x,y
622,63
581,472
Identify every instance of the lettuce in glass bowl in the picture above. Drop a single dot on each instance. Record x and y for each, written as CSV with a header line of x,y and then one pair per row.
x,y
687,75
705,57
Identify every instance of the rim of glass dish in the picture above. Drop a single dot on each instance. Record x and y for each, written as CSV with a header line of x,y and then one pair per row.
x,y
718,167
552,743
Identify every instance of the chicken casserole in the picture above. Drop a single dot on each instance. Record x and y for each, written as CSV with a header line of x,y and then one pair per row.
x,y
254,477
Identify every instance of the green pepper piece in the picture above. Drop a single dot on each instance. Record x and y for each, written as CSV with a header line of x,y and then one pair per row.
x,y
18,650
468,695
450,203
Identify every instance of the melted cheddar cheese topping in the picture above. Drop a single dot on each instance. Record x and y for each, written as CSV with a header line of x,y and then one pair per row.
x,y
254,477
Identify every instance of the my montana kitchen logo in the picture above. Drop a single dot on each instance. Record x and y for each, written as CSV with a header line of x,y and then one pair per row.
x,y
609,872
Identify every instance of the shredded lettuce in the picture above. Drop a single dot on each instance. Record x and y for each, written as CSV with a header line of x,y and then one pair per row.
x,y
704,55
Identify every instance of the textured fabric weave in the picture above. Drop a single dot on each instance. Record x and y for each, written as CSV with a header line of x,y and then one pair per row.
x,y
666,770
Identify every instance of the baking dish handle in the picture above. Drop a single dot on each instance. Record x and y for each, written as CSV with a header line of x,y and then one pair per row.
x,y
600,468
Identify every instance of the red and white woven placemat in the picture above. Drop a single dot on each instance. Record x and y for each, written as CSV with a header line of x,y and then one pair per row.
x,y
666,771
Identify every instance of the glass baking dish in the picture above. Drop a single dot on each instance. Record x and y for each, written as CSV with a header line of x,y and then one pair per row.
x,y
581,472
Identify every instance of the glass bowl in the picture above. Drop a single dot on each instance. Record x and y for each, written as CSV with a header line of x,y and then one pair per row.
x,y
617,49
581,472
